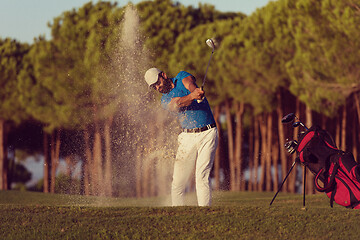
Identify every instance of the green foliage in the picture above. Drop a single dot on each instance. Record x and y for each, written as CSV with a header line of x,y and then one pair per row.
x,y
63,185
164,21
11,54
255,56
325,66
18,173
45,77
67,76
19,187
309,47
67,185
192,54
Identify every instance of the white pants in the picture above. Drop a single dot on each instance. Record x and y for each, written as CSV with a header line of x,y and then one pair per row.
x,y
195,150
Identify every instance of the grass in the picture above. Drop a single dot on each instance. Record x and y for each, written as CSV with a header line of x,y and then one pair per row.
x,y
245,215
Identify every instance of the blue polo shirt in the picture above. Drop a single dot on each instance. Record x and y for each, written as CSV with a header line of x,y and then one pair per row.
x,y
195,115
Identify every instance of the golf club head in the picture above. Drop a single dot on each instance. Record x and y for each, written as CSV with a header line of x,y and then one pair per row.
x,y
288,118
210,43
296,124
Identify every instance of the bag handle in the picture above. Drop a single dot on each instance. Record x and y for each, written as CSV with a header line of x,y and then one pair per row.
x,y
327,185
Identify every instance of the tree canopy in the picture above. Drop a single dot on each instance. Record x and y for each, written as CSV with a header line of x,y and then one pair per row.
x,y
91,69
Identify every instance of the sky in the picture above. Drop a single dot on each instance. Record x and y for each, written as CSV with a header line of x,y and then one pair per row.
x,y
25,20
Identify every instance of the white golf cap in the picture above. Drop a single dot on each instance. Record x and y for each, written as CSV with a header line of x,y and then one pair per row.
x,y
151,75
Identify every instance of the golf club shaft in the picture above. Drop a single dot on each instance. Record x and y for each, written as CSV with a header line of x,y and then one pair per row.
x,y
203,83
304,126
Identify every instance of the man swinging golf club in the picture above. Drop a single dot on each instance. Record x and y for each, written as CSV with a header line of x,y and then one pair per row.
x,y
199,138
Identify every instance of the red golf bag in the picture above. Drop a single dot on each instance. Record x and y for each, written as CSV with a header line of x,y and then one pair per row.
x,y
336,172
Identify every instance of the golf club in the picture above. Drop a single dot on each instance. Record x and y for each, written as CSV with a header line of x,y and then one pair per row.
x,y
211,44
290,118
291,147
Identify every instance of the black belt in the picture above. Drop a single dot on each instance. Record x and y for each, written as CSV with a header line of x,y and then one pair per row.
x,y
197,130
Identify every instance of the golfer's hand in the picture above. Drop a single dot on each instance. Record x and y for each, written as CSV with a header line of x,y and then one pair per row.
x,y
198,94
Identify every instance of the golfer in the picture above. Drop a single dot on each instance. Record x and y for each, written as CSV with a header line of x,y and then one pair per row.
x,y
199,138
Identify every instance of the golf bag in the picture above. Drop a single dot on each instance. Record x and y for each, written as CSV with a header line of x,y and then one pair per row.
x,y
337,170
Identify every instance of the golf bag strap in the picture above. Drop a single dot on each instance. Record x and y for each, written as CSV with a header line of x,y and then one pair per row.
x,y
327,185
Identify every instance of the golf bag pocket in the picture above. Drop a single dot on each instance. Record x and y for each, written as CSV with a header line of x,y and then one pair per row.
x,y
342,182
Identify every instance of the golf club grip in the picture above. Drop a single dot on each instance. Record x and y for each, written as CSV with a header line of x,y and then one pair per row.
x,y
199,101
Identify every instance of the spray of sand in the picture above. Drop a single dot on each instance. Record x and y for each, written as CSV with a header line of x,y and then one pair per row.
x,y
145,139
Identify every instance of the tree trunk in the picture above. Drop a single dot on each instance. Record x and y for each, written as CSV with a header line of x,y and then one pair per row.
x,y
230,145
3,158
53,164
251,184
6,159
55,153
354,135
275,157
238,149
256,152
357,103
86,165
218,150
145,178
46,162
338,131
97,167
263,152
153,178
293,175
269,124
309,175
282,140
108,164
343,129
147,162
138,170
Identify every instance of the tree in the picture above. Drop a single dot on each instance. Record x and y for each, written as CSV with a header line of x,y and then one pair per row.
x,y
11,53
46,99
325,69
18,173
163,21
72,87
